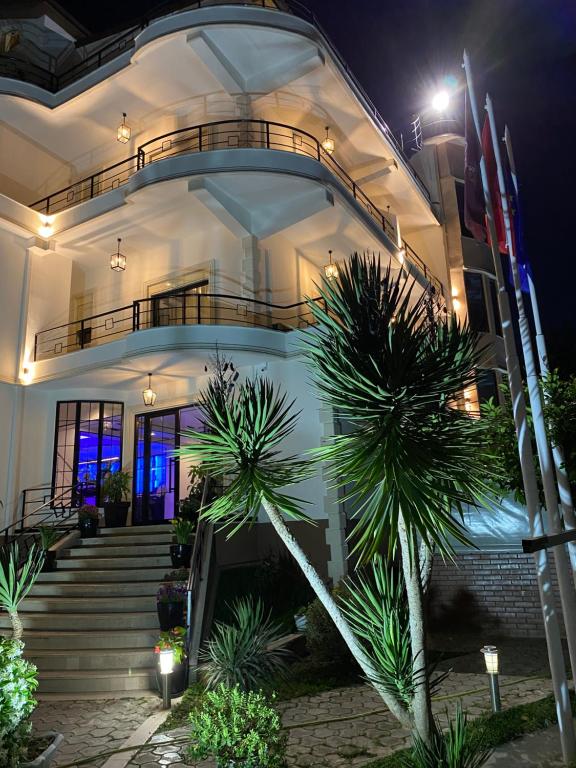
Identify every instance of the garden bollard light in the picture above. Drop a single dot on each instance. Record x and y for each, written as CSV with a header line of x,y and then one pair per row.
x,y
491,658
166,669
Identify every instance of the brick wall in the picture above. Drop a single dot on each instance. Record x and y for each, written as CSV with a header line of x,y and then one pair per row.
x,y
496,590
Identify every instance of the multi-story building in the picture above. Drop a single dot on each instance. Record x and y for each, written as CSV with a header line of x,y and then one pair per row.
x,y
177,187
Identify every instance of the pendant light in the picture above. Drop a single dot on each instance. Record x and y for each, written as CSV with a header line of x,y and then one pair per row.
x,y
330,269
124,131
148,394
328,144
118,260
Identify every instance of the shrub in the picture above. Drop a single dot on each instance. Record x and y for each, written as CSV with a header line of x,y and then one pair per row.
x,y
240,653
183,529
88,512
237,727
458,747
323,640
48,536
180,574
171,592
17,684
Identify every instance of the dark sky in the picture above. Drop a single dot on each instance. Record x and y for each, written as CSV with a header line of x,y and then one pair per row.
x,y
524,53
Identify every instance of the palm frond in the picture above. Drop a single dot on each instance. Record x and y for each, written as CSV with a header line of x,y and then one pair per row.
x,y
17,579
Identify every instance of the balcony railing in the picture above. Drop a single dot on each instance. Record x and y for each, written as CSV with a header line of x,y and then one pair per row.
x,y
187,308
222,135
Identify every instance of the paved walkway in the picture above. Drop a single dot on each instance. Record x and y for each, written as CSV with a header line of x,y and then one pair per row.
x,y
352,743
92,726
541,750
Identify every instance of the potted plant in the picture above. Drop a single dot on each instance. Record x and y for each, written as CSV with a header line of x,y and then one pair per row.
x,y
116,490
18,681
237,729
88,521
174,640
48,537
171,605
181,552
180,574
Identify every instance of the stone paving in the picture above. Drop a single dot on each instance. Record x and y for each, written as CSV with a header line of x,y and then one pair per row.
x,y
92,726
352,743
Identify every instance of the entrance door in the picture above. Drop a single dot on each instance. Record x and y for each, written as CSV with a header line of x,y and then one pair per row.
x,y
160,479
177,306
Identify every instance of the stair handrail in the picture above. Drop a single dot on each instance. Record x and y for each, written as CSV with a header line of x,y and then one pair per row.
x,y
18,526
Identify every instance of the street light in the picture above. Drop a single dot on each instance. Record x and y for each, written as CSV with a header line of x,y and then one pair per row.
x,y
491,659
441,101
166,669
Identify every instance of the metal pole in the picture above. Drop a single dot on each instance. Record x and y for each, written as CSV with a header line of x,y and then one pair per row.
x,y
554,523
564,490
166,691
495,693
551,627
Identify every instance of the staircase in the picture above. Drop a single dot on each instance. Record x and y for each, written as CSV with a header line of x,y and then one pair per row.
x,y
90,626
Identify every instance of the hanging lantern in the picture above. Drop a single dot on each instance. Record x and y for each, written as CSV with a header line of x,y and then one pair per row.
x,y
124,130
328,142
148,394
330,269
118,260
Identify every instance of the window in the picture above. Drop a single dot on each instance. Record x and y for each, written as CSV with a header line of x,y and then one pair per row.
x,y
88,443
477,313
487,384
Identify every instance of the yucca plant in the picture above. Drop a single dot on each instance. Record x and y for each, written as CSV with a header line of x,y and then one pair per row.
x,y
17,579
245,652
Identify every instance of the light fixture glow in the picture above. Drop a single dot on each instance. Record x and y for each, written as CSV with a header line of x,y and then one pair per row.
x,y
118,260
330,269
328,144
166,661
456,304
402,255
26,375
441,101
46,229
148,394
490,658
124,131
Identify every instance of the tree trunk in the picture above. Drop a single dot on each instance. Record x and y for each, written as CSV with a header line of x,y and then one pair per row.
x,y
421,705
323,594
16,625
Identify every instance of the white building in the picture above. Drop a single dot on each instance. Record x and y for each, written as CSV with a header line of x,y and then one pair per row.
x,y
220,197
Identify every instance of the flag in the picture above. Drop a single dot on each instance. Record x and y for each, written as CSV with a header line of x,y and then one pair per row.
x,y
524,266
474,211
492,174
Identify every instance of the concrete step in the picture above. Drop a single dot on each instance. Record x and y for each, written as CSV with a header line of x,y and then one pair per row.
x,y
115,563
99,659
153,573
114,550
95,681
81,604
72,641
85,621
159,539
141,530
90,589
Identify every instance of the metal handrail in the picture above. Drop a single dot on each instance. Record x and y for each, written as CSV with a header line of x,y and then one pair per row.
x,y
19,527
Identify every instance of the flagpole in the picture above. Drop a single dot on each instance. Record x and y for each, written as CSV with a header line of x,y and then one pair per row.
x,y
554,523
551,626
564,490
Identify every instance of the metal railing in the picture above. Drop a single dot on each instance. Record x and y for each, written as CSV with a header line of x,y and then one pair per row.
x,y
224,135
161,311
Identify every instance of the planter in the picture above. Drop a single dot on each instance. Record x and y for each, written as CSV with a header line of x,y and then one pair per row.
x,y
115,515
181,554
88,527
178,682
49,561
171,615
45,758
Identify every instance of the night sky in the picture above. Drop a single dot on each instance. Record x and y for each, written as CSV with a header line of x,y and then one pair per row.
x,y
523,52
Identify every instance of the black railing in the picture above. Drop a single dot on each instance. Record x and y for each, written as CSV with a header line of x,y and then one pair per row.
x,y
223,135
172,310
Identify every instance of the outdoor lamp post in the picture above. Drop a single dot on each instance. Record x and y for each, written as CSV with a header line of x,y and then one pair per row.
x,y
166,669
491,659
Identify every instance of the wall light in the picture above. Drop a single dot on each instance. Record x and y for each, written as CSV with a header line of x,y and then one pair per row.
x,y
328,144
26,375
330,269
124,131
46,229
148,394
441,101
118,260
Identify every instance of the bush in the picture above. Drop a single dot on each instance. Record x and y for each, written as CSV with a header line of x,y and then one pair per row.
x,y
458,747
240,653
17,684
323,640
233,726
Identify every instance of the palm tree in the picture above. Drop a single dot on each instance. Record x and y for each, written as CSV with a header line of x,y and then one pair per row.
x,y
17,579
394,370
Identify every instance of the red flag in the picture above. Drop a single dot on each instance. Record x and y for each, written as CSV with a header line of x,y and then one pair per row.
x,y
492,173
474,209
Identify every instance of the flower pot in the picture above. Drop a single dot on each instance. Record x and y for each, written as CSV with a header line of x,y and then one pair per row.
x,y
115,515
49,561
44,759
180,554
171,615
88,527
178,681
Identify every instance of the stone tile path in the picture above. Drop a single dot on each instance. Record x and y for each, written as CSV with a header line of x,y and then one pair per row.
x,y
92,726
352,743
540,750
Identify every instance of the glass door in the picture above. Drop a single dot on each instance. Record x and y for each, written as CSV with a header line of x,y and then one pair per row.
x,y
178,306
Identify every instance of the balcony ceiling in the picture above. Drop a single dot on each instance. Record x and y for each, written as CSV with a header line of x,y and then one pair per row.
x,y
193,72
